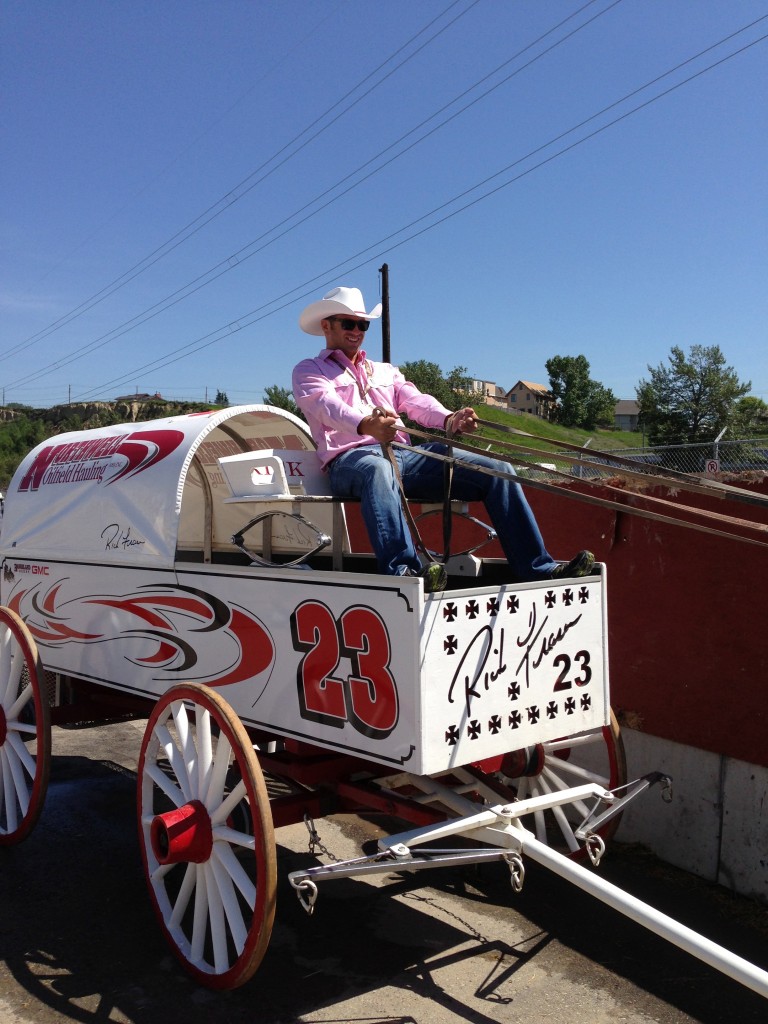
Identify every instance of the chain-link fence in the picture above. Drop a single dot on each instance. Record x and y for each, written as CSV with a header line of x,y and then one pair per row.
x,y
712,458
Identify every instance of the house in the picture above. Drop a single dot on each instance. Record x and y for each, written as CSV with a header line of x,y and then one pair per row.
x,y
536,399
140,397
626,415
492,393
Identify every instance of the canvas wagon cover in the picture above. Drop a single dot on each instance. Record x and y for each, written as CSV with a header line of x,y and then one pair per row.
x,y
130,493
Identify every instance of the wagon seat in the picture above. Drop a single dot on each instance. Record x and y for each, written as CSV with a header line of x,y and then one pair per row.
x,y
292,516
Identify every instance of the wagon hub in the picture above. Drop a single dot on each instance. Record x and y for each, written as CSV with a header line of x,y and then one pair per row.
x,y
182,835
527,761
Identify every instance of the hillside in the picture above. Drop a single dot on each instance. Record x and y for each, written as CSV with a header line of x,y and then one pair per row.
x,y
22,428
544,430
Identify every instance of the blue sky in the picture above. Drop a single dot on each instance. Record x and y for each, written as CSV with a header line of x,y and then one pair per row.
x,y
181,177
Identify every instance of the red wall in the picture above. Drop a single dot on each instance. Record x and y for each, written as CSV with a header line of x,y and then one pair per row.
x,y
687,620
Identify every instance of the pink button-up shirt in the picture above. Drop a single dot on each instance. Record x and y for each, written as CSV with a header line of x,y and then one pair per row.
x,y
335,394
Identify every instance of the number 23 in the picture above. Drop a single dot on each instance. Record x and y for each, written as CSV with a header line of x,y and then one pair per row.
x,y
367,698
563,682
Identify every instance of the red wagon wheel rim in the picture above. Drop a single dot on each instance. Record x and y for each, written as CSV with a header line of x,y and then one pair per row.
x,y
206,836
25,731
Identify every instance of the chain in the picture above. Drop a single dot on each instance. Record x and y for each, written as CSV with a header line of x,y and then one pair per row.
x,y
595,848
315,843
306,890
516,871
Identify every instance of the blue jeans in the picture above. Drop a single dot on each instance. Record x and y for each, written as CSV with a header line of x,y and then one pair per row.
x,y
367,474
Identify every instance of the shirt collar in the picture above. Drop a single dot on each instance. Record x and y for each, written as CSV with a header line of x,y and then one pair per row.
x,y
336,355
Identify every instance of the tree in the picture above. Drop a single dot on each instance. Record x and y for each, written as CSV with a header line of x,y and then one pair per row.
x,y
282,398
221,398
461,388
750,417
692,399
17,438
454,390
581,401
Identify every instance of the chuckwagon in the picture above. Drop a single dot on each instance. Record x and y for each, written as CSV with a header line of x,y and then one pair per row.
x,y
193,569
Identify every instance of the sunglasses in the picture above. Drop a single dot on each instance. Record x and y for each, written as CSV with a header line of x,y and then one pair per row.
x,y
350,325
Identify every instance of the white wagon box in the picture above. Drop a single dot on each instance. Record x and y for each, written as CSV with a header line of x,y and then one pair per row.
x,y
114,552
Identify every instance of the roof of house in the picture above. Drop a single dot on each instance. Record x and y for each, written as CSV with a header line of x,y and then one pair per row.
x,y
140,397
626,407
530,386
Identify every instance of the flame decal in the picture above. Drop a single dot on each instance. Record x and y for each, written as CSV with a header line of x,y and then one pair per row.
x,y
147,608
256,657
143,448
49,602
56,631
167,616
168,652
164,653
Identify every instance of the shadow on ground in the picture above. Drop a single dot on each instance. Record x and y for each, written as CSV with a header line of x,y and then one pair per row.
x,y
80,942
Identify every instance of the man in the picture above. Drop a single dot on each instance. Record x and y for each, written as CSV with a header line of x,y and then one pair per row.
x,y
353,405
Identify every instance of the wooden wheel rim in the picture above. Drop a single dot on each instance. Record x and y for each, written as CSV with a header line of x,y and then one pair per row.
x,y
25,736
216,912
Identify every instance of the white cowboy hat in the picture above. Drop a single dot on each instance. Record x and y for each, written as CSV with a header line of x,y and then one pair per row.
x,y
338,302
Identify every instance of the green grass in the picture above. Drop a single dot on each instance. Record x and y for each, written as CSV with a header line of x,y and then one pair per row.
x,y
543,430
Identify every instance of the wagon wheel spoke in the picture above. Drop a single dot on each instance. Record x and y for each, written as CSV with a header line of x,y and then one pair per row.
x,y
596,756
206,836
25,730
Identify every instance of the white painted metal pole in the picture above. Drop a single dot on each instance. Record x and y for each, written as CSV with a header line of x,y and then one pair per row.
x,y
721,959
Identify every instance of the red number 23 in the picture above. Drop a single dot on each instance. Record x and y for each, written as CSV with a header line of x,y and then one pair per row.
x,y
367,697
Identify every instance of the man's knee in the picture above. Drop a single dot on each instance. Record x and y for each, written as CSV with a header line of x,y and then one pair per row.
x,y
369,474
375,469
486,462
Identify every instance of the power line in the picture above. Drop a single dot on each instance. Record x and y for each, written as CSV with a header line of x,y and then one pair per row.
x,y
201,135
231,197
248,319
236,259
41,372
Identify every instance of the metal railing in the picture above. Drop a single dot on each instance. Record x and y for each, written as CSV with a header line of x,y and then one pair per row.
x,y
710,458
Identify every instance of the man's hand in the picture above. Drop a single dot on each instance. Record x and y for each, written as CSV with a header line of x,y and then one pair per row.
x,y
463,421
380,425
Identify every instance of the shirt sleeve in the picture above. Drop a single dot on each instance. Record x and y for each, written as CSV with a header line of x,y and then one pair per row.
x,y
423,409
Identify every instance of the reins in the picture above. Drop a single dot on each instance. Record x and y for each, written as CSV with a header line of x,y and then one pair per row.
x,y
415,535
629,467
624,468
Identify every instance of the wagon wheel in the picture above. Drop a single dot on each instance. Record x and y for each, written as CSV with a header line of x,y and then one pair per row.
x,y
25,731
207,841
595,756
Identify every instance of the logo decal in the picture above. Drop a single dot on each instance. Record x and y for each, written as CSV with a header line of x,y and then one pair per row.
x,y
81,461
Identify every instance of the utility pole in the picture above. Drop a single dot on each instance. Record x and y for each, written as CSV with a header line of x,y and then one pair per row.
x,y
385,345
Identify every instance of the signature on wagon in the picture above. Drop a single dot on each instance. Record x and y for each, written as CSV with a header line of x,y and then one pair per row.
x,y
118,538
